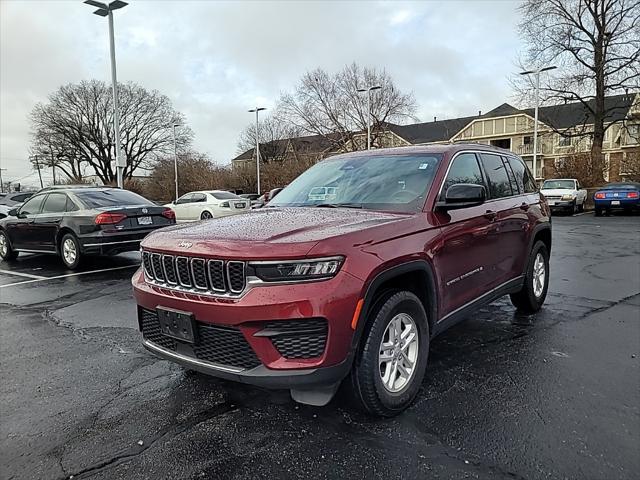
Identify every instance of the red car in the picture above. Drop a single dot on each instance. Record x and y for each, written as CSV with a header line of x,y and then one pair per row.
x,y
350,286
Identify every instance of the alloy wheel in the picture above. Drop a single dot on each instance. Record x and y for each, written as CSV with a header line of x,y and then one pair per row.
x,y
539,275
3,245
69,251
206,215
398,354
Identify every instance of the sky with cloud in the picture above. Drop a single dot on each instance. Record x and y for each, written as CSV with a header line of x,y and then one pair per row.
x,y
215,59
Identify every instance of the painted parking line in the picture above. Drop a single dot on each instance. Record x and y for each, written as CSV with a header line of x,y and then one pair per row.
x,y
20,274
44,279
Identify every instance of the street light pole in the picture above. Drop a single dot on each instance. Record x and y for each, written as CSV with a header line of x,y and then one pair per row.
x,y
535,115
105,10
175,158
256,110
368,90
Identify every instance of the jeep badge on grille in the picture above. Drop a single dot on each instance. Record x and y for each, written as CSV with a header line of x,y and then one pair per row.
x,y
184,244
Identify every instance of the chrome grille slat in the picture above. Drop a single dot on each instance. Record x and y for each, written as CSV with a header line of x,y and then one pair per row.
x,y
195,274
215,269
199,274
156,266
169,266
184,272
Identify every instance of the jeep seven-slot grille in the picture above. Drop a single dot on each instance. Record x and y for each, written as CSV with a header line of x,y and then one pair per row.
x,y
220,344
195,274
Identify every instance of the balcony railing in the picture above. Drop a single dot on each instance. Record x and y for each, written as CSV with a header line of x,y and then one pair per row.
x,y
527,149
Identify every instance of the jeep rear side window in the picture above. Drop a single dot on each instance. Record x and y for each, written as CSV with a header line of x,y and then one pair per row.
x,y
464,169
523,177
499,184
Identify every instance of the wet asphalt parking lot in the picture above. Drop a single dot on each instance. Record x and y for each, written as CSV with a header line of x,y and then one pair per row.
x,y
555,395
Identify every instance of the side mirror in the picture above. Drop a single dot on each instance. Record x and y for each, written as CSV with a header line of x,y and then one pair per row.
x,y
13,212
462,195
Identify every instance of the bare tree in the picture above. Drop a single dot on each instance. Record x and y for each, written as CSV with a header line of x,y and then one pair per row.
x,y
595,44
74,129
273,133
196,172
330,105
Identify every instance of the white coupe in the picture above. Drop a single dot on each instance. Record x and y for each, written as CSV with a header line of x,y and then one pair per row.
x,y
208,204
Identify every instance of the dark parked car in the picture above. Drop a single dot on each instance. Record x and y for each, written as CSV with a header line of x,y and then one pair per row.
x,y
11,199
352,285
265,198
73,222
617,196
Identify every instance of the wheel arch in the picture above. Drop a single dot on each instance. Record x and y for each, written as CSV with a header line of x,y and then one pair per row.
x,y
416,276
61,233
542,233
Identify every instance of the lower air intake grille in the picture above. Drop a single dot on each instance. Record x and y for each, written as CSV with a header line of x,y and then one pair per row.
x,y
297,339
150,328
219,344
224,345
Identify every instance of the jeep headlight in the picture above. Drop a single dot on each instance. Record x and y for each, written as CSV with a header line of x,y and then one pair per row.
x,y
568,196
292,270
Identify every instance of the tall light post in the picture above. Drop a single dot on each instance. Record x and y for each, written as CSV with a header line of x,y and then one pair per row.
x,y
106,10
175,157
368,90
535,121
257,110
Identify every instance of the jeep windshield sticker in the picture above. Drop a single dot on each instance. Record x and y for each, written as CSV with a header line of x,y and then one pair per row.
x,y
464,275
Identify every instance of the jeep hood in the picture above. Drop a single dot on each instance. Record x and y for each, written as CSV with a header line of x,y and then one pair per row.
x,y
268,232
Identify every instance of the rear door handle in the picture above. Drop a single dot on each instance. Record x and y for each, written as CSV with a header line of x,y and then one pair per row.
x,y
524,206
490,215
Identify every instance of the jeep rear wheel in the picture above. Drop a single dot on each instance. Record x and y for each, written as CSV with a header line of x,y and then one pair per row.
x,y
534,291
392,357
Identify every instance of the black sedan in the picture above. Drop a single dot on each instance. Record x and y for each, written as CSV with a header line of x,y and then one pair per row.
x,y
74,222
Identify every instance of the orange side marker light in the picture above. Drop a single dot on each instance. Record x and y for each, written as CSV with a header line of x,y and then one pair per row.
x,y
356,314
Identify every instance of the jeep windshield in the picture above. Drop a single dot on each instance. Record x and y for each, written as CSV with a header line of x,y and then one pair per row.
x,y
376,182
559,184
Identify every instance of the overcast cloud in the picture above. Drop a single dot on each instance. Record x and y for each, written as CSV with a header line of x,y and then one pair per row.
x,y
217,59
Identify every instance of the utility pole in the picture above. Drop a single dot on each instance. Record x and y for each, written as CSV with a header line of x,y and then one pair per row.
x,y
535,120
256,110
368,90
39,172
175,157
1,182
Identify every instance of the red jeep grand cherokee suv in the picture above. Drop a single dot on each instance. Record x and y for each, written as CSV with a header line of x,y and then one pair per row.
x,y
348,273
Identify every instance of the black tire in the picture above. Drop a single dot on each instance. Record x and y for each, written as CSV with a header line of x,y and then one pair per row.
x,y
598,212
581,207
7,253
70,263
574,208
526,299
365,381
206,215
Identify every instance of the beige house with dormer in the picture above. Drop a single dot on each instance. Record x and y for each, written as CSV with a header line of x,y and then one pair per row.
x,y
563,130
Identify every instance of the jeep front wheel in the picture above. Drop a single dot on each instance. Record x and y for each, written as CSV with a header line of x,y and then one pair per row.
x,y
536,282
392,357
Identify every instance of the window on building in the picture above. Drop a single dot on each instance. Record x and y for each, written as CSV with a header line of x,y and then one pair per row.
x,y
464,169
499,183
564,141
633,133
527,140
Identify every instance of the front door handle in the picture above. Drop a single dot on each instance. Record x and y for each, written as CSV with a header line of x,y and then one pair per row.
x,y
490,215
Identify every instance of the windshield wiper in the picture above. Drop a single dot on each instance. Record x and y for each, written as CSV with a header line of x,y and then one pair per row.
x,y
338,205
